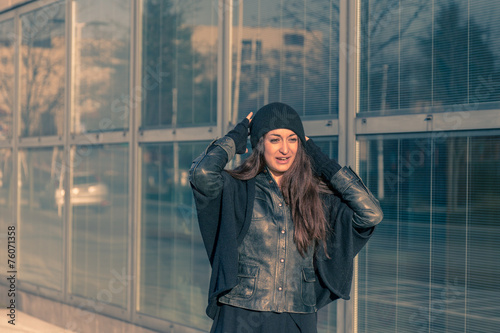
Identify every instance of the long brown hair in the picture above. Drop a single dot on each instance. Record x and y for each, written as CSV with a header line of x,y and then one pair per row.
x,y
300,189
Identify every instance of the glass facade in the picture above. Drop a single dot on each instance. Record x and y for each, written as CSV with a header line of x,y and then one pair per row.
x,y
430,266
286,51
421,55
6,195
40,223
7,80
42,72
99,221
104,105
179,72
101,66
174,275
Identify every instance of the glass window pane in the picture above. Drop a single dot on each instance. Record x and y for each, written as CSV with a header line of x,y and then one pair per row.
x,y
328,145
430,266
43,71
7,39
482,232
99,205
6,199
179,63
286,51
101,66
40,221
419,54
174,270
327,317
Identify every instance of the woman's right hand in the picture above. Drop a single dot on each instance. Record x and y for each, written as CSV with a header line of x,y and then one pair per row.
x,y
239,134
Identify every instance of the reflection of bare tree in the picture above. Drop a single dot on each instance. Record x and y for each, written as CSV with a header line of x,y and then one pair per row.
x,y
389,35
463,59
42,79
438,60
386,22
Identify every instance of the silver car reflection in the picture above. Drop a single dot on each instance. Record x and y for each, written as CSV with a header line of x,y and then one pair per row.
x,y
87,190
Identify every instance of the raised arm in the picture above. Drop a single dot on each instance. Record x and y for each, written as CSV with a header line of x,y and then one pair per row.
x,y
205,173
366,208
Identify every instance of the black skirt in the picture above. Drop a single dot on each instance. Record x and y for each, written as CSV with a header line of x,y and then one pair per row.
x,y
231,319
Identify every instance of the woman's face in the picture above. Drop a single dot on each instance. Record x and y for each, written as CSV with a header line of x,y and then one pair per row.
x,y
280,149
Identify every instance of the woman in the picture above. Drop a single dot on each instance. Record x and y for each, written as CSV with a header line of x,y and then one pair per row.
x,y
282,229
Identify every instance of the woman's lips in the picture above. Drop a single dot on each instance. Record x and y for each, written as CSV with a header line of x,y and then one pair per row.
x,y
282,160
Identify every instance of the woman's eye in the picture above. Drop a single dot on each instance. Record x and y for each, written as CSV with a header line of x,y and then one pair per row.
x,y
275,140
293,140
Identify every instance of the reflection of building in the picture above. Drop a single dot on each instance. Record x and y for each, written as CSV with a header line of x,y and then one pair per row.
x,y
268,45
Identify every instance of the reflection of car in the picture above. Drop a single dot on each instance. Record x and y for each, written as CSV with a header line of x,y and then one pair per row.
x,y
87,190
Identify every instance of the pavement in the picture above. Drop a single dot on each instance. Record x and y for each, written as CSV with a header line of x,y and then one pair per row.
x,y
24,323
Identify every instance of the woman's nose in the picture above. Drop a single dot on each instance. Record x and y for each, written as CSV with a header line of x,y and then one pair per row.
x,y
284,148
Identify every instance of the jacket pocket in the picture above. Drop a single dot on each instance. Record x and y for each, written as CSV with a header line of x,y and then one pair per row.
x,y
308,280
247,280
261,208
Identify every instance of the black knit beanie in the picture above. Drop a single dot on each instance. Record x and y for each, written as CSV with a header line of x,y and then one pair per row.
x,y
273,116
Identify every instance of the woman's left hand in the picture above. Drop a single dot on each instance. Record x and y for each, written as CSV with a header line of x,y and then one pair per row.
x,y
239,134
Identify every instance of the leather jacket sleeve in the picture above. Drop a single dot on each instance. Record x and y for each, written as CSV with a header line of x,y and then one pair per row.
x,y
366,208
205,173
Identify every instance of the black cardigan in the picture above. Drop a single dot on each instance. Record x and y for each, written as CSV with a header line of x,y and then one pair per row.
x,y
224,221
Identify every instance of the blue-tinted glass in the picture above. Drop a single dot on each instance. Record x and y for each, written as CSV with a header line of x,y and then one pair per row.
x,y
40,222
484,52
99,225
419,54
179,63
43,70
378,270
411,85
430,265
482,231
7,39
174,266
327,317
101,64
286,51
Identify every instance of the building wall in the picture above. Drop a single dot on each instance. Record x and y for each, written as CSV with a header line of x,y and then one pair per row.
x,y
103,106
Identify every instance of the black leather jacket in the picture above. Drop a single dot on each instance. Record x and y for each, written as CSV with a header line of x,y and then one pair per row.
x,y
272,274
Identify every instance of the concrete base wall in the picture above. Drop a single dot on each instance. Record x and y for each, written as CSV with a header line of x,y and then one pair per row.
x,y
82,321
